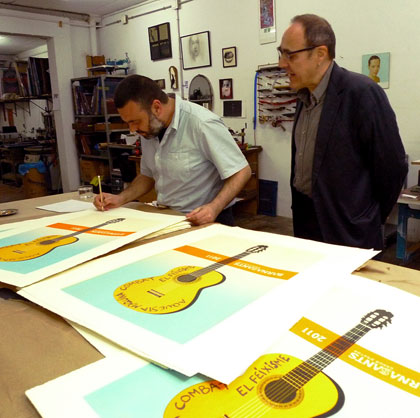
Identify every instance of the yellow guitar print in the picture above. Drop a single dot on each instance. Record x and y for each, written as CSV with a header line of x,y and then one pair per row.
x,y
276,385
41,246
176,290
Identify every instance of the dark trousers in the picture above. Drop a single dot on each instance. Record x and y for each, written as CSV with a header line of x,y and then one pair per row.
x,y
305,222
226,217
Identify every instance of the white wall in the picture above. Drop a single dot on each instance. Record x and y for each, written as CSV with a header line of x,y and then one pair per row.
x,y
361,27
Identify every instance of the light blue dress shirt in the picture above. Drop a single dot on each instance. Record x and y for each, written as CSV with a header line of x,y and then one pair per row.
x,y
195,155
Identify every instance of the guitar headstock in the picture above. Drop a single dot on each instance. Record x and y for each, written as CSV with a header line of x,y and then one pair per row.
x,y
377,319
113,221
257,249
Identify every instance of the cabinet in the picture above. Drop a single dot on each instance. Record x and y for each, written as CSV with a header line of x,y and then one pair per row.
x,y
10,158
249,195
150,196
98,129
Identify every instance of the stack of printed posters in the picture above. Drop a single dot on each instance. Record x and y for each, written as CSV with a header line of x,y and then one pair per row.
x,y
209,301
33,250
352,353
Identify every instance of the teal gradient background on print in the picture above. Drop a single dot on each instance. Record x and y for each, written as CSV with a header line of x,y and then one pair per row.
x,y
143,393
85,242
213,305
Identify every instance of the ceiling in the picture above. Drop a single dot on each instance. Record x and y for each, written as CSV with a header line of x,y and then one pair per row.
x,y
14,44
93,7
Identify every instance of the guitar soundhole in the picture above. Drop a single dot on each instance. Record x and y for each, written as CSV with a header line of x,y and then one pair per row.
x,y
279,391
47,242
186,278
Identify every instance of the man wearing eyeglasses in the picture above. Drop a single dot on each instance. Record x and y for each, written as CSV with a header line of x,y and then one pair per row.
x,y
348,161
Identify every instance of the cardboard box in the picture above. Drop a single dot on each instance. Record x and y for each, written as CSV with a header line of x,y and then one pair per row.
x,y
92,61
93,168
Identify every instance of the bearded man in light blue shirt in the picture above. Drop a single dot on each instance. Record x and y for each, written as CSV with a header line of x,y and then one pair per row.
x,y
188,154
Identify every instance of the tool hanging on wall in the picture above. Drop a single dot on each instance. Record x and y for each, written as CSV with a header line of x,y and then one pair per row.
x,y
275,102
239,137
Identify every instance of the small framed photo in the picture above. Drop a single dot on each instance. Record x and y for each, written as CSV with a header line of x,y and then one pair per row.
x,y
229,57
376,67
161,83
195,50
173,77
226,88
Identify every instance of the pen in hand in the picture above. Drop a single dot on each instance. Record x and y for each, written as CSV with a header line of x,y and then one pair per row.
x,y
100,192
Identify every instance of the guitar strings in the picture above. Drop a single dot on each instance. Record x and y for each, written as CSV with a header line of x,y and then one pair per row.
x,y
219,264
294,377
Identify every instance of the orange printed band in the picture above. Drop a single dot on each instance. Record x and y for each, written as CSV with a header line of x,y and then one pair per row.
x,y
239,264
78,228
367,361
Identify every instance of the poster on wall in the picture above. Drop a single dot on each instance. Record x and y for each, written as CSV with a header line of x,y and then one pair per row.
x,y
376,67
160,42
267,31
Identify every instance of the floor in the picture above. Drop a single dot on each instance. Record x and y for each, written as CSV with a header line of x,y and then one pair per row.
x,y
273,224
282,225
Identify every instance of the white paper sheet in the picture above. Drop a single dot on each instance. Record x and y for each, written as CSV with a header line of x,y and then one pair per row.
x,y
203,335
378,375
71,205
40,248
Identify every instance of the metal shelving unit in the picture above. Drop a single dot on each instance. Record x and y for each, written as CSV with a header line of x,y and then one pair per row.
x,y
96,135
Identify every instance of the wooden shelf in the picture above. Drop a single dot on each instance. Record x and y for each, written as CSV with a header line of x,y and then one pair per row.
x,y
95,157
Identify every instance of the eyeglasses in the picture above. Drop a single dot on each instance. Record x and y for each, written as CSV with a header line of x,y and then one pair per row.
x,y
287,54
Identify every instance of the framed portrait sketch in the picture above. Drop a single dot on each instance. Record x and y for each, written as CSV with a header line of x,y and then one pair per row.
x,y
226,88
195,49
376,67
160,42
229,57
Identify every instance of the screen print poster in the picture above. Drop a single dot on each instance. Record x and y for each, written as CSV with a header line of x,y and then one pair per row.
x,y
184,301
45,246
350,355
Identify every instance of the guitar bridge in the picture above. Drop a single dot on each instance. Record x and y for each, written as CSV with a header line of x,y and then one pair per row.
x,y
155,293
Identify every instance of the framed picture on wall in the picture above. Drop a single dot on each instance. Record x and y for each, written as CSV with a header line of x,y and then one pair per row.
x,y
229,57
226,88
267,21
160,42
161,83
195,50
173,77
376,67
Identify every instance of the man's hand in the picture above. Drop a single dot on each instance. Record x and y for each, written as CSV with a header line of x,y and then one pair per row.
x,y
202,215
110,201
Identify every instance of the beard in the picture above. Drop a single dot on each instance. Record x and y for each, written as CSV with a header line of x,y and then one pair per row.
x,y
155,127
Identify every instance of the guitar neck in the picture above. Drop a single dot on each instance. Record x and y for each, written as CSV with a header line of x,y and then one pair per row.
x,y
217,265
86,230
52,241
315,364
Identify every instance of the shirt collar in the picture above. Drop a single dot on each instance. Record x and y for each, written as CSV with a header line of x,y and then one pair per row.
x,y
315,97
175,118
